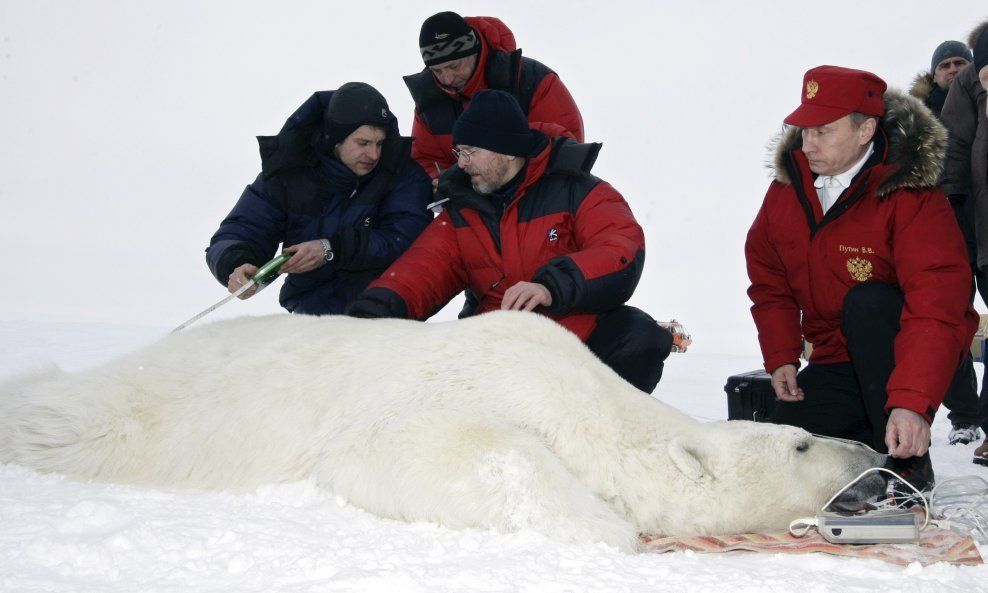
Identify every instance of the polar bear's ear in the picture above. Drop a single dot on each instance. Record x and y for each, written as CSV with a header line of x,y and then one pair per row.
x,y
685,458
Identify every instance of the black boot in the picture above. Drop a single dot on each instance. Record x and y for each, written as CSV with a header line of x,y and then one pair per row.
x,y
917,471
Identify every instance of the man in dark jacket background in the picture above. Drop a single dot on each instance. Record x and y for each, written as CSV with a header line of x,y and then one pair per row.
x,y
949,58
856,249
339,190
965,175
527,227
466,55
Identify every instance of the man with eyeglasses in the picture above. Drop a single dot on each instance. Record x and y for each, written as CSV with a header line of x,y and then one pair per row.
x,y
527,227
965,175
464,56
949,58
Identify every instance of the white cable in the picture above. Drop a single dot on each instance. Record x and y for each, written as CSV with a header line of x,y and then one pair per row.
x,y
800,527
926,506
962,504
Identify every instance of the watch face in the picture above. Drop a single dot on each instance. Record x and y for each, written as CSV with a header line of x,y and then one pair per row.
x,y
330,255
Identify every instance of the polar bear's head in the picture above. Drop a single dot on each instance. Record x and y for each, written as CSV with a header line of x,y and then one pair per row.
x,y
738,476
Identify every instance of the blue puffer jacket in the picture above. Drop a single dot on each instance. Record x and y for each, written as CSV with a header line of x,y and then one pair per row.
x,y
304,193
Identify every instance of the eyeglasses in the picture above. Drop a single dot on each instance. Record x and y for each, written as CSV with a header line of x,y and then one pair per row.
x,y
464,154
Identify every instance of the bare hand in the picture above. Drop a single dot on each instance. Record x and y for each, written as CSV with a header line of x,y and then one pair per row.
x,y
525,296
239,277
907,433
307,257
784,383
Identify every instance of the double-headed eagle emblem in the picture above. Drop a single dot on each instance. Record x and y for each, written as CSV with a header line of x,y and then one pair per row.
x,y
860,269
812,88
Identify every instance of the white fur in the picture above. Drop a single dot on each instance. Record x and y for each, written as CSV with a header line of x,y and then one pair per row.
x,y
503,421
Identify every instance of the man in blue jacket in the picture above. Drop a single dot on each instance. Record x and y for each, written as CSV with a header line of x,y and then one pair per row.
x,y
339,190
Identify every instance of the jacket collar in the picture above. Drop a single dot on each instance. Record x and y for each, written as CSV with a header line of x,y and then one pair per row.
x,y
923,86
338,176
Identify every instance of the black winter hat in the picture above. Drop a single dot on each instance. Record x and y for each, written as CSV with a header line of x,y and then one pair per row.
x,y
981,51
949,49
493,120
353,105
446,36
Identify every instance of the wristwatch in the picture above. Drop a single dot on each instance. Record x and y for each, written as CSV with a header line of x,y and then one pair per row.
x,y
327,248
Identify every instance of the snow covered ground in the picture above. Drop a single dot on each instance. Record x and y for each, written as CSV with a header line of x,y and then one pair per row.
x,y
61,536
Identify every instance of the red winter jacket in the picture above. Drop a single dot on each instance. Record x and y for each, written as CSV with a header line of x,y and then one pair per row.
x,y
565,229
542,95
892,226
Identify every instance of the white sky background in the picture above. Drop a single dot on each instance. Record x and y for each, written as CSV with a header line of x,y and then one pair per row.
x,y
128,128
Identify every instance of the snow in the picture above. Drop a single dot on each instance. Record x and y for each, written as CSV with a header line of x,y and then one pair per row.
x,y
59,535
128,134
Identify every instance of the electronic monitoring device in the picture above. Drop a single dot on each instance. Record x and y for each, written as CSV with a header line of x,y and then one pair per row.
x,y
882,527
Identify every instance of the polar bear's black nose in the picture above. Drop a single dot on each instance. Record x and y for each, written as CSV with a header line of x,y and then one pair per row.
x,y
860,495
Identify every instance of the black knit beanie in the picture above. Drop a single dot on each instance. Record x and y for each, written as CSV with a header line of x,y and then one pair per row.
x,y
445,37
493,120
353,105
981,51
949,49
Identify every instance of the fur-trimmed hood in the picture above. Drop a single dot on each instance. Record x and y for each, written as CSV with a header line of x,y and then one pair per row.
x,y
922,86
916,145
972,39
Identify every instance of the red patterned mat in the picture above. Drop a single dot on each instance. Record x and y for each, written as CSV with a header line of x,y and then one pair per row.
x,y
935,545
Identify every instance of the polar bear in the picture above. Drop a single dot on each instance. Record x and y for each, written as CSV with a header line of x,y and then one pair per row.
x,y
503,421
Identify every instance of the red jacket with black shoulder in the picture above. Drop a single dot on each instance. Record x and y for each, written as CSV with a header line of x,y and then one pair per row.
x,y
542,95
560,227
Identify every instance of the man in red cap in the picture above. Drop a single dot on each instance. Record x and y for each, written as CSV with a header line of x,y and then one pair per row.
x,y
856,250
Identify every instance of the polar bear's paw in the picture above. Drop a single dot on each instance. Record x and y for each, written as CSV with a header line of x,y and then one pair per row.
x,y
462,472
528,488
